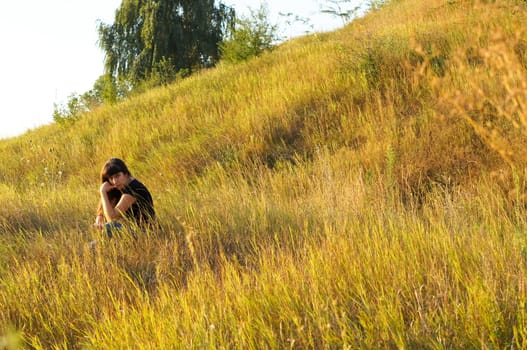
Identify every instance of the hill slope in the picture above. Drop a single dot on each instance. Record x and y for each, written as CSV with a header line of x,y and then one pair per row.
x,y
338,191
370,90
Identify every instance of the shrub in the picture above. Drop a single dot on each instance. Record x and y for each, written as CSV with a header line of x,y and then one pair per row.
x,y
250,36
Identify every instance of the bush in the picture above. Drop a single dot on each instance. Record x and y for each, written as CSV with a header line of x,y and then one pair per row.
x,y
249,37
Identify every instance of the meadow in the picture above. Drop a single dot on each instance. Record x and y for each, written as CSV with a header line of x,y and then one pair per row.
x,y
359,189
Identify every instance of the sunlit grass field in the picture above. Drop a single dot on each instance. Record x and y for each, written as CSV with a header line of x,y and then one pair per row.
x,y
361,189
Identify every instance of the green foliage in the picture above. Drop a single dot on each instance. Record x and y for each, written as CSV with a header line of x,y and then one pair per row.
x,y
249,36
71,111
163,74
148,34
106,90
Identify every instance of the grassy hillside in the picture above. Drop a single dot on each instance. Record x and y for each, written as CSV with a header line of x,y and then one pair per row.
x,y
355,189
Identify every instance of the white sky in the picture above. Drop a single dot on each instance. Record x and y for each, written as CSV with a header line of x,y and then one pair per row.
x,y
49,50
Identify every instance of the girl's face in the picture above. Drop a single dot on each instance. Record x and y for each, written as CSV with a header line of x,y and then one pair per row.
x,y
119,180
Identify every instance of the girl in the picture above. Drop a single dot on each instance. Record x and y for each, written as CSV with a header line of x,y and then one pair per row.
x,y
123,199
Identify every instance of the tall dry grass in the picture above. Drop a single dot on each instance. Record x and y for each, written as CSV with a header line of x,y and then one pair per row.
x,y
339,192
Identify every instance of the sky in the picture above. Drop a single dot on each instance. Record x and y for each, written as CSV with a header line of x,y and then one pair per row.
x,y
49,50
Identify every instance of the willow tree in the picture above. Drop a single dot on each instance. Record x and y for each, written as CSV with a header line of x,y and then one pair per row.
x,y
149,36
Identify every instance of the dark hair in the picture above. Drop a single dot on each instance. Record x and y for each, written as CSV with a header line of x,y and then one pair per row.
x,y
112,167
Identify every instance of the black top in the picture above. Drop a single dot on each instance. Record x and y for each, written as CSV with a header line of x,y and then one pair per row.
x,y
142,211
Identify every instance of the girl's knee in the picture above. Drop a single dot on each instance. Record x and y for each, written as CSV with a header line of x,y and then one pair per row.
x,y
111,227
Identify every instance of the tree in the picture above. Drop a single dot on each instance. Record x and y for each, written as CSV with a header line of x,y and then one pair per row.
x,y
249,36
292,19
376,4
71,111
340,9
105,90
146,34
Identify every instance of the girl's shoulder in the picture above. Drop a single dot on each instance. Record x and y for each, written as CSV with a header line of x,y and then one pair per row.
x,y
136,186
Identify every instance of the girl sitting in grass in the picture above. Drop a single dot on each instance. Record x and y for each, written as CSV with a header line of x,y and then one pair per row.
x,y
124,200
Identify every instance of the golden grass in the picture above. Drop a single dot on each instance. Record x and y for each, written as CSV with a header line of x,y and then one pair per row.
x,y
343,191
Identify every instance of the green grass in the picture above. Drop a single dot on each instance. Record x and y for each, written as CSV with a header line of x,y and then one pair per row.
x,y
356,189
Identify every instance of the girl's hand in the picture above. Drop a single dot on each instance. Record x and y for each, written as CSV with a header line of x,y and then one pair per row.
x,y
106,187
99,222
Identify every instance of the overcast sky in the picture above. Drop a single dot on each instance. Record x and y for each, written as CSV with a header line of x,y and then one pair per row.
x,y
49,50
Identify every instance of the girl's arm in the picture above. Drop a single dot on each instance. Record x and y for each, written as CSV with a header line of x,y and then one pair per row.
x,y
99,221
110,212
99,218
